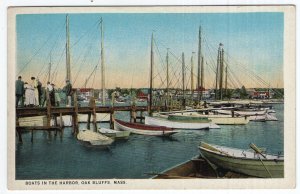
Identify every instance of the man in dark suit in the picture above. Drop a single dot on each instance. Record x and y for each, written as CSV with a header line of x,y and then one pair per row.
x,y
19,91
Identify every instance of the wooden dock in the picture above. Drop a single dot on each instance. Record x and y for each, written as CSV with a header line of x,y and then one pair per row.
x,y
52,112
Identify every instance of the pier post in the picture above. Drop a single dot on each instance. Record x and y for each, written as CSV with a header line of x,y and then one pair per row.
x,y
18,130
48,114
61,124
112,117
88,121
94,114
141,116
75,115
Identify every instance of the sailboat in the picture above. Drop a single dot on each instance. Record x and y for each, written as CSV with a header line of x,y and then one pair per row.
x,y
159,120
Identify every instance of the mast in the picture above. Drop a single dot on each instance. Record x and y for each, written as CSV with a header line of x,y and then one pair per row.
x,y
151,75
199,64
102,64
167,60
192,74
217,73
221,70
68,65
183,77
226,76
202,76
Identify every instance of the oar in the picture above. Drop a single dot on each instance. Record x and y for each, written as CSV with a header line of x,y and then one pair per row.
x,y
257,150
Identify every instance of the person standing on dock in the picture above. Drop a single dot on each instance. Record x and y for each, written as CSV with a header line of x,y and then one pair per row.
x,y
68,91
34,83
19,91
29,95
51,93
39,88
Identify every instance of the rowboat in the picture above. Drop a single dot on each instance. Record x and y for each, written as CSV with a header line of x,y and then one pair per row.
x,y
143,129
94,138
217,119
160,121
114,133
197,167
248,162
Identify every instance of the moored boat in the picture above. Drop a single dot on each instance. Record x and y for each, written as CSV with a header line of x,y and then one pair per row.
x,y
196,167
160,121
217,119
252,163
94,138
143,129
114,133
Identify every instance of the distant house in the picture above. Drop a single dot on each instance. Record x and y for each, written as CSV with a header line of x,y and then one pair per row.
x,y
264,94
142,95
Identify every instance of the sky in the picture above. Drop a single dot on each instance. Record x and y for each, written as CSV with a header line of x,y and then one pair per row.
x,y
253,45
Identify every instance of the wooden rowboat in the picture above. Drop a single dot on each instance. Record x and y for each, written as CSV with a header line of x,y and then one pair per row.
x,y
94,138
249,162
143,129
196,167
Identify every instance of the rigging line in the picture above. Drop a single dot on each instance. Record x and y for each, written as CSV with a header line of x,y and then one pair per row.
x,y
245,68
160,57
35,53
94,78
97,23
57,65
88,47
93,35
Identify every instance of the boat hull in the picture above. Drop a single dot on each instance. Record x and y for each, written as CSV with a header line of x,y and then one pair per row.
x,y
121,127
94,138
115,134
218,119
251,167
179,125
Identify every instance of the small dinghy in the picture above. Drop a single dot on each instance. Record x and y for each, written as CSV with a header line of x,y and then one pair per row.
x,y
249,162
94,138
114,133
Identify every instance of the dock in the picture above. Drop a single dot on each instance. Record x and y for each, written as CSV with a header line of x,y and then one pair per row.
x,y
53,112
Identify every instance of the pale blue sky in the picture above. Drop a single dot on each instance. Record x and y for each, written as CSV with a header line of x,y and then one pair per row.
x,y
254,40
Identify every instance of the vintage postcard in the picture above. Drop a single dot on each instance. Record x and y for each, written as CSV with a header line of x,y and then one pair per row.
x,y
151,97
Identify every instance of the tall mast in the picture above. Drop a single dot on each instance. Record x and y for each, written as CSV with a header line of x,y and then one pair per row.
x,y
192,75
68,76
102,64
183,76
199,65
217,73
151,75
202,77
226,76
167,60
221,70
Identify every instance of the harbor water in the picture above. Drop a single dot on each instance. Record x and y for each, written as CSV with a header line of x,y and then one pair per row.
x,y
55,157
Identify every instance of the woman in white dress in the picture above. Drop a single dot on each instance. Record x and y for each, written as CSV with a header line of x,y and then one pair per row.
x,y
34,84
29,95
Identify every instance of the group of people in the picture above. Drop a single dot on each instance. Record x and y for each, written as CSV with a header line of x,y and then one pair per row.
x,y
32,95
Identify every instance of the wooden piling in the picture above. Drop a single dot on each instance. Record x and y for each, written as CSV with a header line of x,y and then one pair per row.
x,y
111,120
94,114
61,125
75,115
